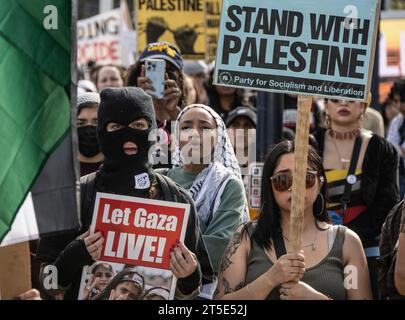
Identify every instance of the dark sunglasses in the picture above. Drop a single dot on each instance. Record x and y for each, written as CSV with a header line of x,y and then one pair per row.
x,y
282,181
337,100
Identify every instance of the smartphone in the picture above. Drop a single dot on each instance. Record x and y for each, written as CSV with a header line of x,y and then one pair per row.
x,y
155,70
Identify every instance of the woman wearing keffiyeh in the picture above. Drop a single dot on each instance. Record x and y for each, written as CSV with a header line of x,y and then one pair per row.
x,y
205,164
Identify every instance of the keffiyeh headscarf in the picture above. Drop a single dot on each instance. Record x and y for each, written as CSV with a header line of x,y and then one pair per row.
x,y
208,186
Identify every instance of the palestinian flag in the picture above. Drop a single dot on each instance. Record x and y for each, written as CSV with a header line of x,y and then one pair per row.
x,y
38,174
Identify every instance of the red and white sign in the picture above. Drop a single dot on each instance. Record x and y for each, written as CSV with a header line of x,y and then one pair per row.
x,y
98,38
139,231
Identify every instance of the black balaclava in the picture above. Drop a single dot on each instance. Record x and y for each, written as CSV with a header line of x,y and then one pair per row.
x,y
122,173
88,142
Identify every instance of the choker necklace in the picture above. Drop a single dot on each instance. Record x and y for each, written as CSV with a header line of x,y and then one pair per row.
x,y
344,135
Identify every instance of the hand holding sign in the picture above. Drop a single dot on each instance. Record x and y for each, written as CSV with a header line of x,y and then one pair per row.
x,y
94,245
182,261
289,267
137,231
300,291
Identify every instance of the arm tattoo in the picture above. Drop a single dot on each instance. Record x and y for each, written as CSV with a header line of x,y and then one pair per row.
x,y
230,251
227,287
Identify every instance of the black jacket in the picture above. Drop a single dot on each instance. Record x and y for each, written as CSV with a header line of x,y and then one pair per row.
x,y
379,186
70,255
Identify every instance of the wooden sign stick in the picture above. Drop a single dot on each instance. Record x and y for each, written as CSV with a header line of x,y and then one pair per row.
x,y
300,172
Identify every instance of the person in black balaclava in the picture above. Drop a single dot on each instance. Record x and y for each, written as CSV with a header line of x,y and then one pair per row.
x,y
125,130
126,123
90,155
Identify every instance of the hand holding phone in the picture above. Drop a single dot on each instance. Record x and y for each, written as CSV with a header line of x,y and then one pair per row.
x,y
155,71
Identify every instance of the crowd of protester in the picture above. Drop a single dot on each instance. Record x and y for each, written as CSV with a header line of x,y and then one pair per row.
x,y
354,215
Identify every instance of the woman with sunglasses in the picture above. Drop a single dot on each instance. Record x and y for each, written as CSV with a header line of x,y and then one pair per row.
x,y
256,264
362,175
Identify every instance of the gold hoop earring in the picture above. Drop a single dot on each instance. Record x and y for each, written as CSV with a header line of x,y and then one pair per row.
x,y
327,121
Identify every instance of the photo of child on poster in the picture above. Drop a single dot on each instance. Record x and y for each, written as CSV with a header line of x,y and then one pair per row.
x,y
134,262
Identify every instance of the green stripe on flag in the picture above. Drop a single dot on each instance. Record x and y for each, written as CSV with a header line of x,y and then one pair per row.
x,y
34,105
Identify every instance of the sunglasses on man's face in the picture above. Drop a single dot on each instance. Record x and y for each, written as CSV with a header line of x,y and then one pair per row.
x,y
282,181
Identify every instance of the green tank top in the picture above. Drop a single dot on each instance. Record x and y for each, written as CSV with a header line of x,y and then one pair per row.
x,y
326,277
